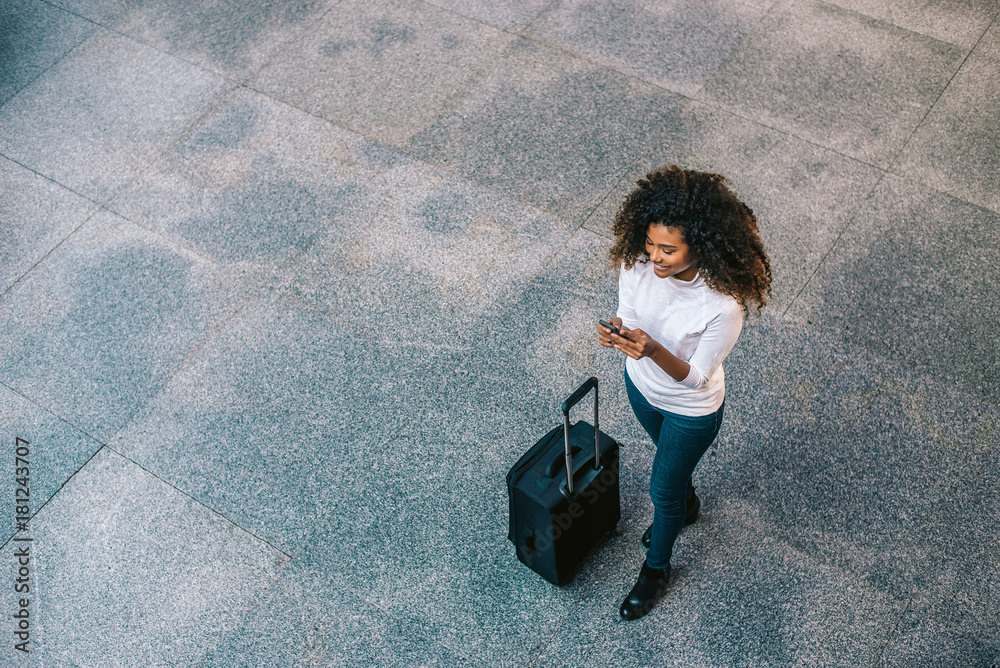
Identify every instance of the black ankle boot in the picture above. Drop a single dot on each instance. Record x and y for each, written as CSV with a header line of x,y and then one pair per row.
x,y
693,506
648,588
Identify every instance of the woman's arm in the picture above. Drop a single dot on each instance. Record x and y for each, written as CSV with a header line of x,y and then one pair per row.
x,y
716,341
638,344
713,347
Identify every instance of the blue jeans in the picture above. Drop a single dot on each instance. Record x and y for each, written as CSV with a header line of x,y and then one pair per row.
x,y
680,443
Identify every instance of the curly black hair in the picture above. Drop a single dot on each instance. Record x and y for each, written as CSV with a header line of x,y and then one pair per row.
x,y
720,230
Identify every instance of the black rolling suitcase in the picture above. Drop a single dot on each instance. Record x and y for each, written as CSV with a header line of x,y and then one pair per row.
x,y
564,494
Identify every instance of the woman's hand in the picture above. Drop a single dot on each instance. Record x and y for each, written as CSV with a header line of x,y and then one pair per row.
x,y
604,334
634,342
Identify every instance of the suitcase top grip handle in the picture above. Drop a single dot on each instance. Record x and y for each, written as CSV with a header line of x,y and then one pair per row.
x,y
557,462
580,393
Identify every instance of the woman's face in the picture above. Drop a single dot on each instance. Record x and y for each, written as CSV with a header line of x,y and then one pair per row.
x,y
669,254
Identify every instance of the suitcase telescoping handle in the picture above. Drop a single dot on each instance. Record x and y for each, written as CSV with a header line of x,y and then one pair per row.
x,y
581,392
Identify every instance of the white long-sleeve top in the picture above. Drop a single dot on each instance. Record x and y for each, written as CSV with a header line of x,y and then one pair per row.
x,y
692,321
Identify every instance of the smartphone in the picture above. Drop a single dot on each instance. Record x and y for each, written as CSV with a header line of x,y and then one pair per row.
x,y
614,330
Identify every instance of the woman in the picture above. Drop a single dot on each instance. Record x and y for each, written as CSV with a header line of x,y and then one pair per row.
x,y
692,266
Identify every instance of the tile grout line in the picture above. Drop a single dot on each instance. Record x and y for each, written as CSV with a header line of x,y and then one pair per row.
x,y
892,632
478,79
865,200
254,288
199,345
347,588
185,133
105,446
57,60
895,159
403,153
253,291
647,151
300,250
644,155
178,244
49,179
340,586
201,504
93,438
98,208
547,642
51,412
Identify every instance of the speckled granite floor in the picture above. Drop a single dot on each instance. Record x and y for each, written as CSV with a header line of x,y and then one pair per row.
x,y
286,288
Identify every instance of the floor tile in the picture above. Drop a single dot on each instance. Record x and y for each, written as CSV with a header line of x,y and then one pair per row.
x,y
264,422
104,12
954,621
304,620
629,35
425,540
510,15
959,22
726,607
127,571
99,326
34,35
955,148
926,643
309,277
252,183
53,451
849,457
421,258
839,79
36,216
232,39
547,129
99,116
382,70
910,281
536,351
